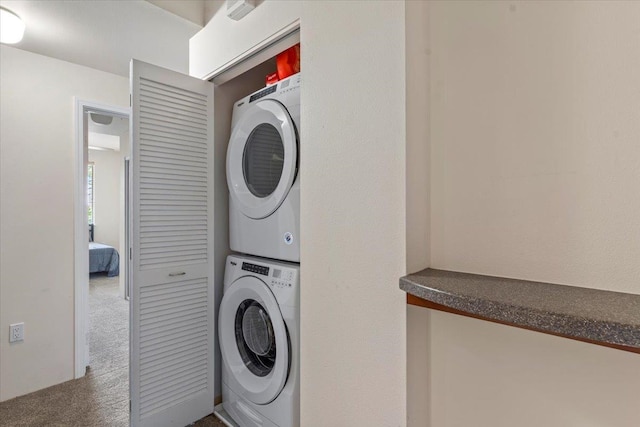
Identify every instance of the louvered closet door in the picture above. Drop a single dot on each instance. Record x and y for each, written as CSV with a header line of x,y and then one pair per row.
x,y
172,324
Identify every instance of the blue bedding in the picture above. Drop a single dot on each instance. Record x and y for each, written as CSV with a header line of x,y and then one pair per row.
x,y
103,258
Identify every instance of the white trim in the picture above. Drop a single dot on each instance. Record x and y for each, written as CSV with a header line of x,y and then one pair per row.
x,y
226,71
81,231
222,415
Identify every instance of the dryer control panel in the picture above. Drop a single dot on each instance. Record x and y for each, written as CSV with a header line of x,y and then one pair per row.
x,y
262,93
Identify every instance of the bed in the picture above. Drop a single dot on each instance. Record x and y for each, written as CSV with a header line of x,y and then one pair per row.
x,y
103,258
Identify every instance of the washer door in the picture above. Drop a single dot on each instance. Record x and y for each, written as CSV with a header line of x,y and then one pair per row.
x,y
262,159
253,339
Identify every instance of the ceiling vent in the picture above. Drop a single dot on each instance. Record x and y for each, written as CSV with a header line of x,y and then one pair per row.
x,y
237,9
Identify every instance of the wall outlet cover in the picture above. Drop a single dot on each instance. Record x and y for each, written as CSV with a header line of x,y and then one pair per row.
x,y
16,332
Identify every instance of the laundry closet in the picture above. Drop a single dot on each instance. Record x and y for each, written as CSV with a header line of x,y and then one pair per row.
x,y
258,312
181,127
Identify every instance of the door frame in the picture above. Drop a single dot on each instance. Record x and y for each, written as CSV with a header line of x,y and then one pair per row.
x,y
81,229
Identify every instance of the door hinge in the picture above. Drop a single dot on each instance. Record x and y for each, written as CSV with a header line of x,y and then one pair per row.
x,y
130,253
130,100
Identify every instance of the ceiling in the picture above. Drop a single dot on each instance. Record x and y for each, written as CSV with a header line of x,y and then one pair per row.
x,y
108,124
197,11
105,131
106,34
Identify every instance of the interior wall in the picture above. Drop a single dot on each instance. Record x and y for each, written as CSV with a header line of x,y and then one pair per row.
x,y
193,10
353,213
418,204
37,142
418,148
353,198
108,185
535,170
109,199
485,374
418,362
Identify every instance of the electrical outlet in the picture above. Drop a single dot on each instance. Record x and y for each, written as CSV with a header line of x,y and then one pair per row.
x,y
16,332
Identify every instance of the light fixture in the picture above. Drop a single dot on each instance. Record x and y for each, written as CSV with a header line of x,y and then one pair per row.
x,y
101,119
237,9
11,27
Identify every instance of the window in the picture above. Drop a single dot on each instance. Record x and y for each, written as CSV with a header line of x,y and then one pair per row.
x,y
90,199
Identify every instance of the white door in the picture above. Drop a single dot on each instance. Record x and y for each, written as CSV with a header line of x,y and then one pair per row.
x,y
253,339
262,158
172,322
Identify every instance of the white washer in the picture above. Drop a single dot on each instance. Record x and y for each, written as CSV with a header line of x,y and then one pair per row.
x,y
258,327
262,172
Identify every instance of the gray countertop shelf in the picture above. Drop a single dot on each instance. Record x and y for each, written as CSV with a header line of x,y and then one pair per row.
x,y
596,316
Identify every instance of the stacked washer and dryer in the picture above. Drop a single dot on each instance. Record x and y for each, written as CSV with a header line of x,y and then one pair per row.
x,y
258,324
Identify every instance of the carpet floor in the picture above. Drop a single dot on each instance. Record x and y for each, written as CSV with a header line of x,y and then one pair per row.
x,y
101,397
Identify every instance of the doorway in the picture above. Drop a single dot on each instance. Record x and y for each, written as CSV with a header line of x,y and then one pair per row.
x,y
108,320
101,243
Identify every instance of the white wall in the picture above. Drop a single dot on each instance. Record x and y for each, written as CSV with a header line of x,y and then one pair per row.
x,y
418,147
36,211
353,356
418,203
353,199
109,195
535,136
109,186
536,140
484,374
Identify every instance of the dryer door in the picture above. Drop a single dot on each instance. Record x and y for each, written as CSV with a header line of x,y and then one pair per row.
x,y
262,158
253,339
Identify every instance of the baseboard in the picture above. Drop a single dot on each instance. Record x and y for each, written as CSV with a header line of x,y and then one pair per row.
x,y
222,415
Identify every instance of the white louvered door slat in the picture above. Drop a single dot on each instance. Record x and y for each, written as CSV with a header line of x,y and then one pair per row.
x,y
172,324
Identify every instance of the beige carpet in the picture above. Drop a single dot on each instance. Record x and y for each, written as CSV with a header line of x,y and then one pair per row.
x,y
100,398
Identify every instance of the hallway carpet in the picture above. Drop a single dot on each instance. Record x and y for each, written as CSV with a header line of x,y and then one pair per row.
x,y
101,397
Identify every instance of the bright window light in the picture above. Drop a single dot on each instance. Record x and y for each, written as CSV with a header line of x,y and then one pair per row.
x,y
11,27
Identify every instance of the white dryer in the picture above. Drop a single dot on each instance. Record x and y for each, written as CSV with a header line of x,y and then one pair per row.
x,y
258,328
262,172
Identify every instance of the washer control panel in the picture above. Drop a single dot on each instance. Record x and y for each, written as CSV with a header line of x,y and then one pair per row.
x,y
255,268
281,278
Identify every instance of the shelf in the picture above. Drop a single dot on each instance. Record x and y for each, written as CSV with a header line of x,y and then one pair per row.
x,y
595,316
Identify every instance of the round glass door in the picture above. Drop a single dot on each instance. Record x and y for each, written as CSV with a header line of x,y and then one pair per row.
x,y
253,339
262,158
